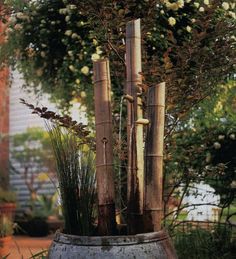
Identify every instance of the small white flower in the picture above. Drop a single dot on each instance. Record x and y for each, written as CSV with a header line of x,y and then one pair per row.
x,y
232,136
225,5
206,2
196,5
189,29
70,53
180,3
201,9
83,94
85,70
67,18
171,21
98,50
71,7
72,68
68,32
217,145
187,1
232,5
74,35
221,137
193,20
162,12
95,42
232,14
77,81
95,56
42,54
62,11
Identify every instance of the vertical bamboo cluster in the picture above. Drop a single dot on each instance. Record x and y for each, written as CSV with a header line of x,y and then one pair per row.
x,y
134,131
154,158
104,153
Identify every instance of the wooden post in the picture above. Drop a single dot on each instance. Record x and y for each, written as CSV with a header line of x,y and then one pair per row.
x,y
104,153
154,158
134,131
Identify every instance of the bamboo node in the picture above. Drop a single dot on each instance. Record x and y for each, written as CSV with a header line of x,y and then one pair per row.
x,y
153,209
107,164
102,122
142,121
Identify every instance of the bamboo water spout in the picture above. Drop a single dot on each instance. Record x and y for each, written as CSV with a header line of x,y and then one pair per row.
x,y
104,145
154,158
134,131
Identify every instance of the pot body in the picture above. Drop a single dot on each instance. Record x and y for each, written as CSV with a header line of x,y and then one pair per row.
x,y
5,246
140,246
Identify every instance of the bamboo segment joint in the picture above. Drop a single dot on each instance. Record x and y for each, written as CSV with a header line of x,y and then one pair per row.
x,y
153,155
142,121
154,209
100,165
103,122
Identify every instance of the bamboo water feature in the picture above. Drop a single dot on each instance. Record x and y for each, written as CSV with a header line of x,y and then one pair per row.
x,y
144,200
134,131
104,146
153,208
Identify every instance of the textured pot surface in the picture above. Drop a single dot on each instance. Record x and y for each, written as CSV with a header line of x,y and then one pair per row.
x,y
5,246
142,246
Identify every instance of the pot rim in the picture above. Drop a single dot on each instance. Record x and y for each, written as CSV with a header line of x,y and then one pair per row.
x,y
123,240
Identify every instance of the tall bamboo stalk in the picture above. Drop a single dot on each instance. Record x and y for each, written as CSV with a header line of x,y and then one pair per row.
x,y
134,131
154,158
104,153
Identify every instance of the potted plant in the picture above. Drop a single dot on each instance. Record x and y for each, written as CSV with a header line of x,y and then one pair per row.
x,y
80,239
7,203
6,231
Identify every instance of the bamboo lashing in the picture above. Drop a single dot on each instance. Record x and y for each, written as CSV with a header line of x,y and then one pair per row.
x,y
104,147
154,158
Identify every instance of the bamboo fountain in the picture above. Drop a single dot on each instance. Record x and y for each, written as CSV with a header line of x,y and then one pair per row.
x,y
145,237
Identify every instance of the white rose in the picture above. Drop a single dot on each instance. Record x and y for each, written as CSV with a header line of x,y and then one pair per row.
x,y
217,145
95,56
225,5
68,32
72,68
85,70
171,21
201,9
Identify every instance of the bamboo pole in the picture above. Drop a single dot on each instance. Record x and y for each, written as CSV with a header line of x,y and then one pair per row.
x,y
134,131
104,153
154,158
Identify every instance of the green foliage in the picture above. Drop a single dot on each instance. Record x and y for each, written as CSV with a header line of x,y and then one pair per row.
x,y
200,243
32,150
202,146
76,176
7,196
6,226
185,44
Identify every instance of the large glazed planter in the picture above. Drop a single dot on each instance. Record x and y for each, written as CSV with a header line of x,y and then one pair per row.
x,y
142,246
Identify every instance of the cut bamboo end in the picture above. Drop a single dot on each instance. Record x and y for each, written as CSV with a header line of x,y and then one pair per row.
x,y
101,70
142,121
133,29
